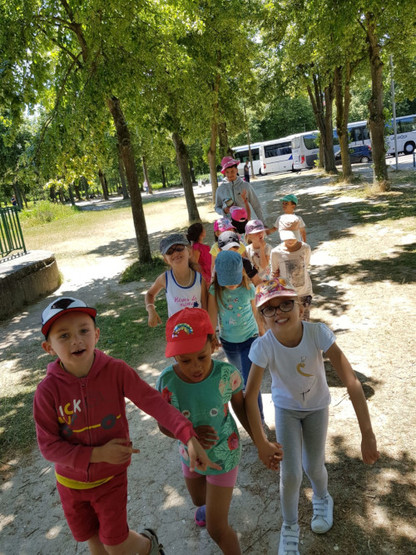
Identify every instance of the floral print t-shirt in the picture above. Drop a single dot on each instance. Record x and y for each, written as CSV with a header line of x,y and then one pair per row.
x,y
206,403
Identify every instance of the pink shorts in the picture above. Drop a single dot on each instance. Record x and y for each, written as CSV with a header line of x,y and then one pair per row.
x,y
226,480
101,510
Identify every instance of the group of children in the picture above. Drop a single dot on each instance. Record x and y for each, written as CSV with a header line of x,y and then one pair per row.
x,y
79,407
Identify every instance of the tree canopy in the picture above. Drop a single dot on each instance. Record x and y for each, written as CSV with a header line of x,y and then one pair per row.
x,y
108,87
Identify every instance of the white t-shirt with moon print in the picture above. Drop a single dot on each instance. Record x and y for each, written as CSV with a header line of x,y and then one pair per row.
x,y
298,373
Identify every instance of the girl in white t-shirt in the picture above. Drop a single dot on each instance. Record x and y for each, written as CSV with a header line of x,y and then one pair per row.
x,y
185,287
293,351
258,251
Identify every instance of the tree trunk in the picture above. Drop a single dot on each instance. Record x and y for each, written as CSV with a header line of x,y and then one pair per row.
x,y
224,146
18,194
103,183
71,194
123,136
375,104
330,166
84,183
182,159
212,151
77,190
212,159
122,174
146,175
164,181
191,171
342,102
323,116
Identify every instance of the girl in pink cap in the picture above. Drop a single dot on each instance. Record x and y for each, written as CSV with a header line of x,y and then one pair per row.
x,y
233,190
293,351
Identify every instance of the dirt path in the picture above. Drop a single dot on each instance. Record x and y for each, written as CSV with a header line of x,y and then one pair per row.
x,y
374,322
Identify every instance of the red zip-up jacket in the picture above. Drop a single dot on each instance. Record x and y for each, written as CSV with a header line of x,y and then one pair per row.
x,y
74,415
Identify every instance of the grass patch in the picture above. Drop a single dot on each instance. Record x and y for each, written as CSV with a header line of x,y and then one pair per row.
x,y
44,212
17,428
396,204
124,330
144,272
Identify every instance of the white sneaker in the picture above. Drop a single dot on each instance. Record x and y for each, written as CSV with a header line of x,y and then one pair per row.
x,y
289,540
323,511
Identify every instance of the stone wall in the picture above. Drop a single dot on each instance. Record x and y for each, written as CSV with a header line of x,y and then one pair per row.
x,y
25,279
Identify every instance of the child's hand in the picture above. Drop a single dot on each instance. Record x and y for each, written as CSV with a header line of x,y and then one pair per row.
x,y
207,436
216,343
116,451
369,449
271,454
153,318
198,458
244,195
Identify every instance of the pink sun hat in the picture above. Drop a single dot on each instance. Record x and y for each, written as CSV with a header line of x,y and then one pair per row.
x,y
277,287
228,162
254,226
223,224
238,214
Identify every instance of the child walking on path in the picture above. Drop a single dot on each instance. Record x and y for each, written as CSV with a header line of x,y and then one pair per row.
x,y
183,284
81,426
293,351
201,388
258,251
289,204
291,260
231,299
200,252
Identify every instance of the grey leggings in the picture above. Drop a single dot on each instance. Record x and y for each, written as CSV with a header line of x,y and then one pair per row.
x,y
302,435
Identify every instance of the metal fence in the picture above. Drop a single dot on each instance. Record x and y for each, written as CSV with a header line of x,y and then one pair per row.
x,y
11,236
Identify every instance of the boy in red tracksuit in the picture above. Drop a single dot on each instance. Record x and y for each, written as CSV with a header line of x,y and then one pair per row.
x,y
81,426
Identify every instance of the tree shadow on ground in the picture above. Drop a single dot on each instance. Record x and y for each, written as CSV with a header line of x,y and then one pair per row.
x,y
368,384
326,207
374,507
398,267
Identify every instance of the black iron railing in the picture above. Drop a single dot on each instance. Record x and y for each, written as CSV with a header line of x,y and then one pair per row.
x,y
11,236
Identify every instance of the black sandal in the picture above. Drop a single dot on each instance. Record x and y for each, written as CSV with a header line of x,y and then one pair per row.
x,y
156,548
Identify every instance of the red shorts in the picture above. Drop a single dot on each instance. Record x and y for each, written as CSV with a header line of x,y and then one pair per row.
x,y
101,510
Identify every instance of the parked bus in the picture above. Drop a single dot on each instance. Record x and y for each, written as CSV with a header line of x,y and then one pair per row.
x,y
305,150
241,153
276,155
406,134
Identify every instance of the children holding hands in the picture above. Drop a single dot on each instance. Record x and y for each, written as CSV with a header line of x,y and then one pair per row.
x,y
293,351
81,426
202,388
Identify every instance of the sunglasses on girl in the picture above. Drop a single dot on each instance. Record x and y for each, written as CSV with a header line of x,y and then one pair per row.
x,y
270,311
175,248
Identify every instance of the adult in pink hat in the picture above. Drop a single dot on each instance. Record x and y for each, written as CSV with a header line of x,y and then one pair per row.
x,y
233,191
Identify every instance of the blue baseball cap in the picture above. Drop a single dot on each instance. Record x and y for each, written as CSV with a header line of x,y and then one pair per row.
x,y
229,268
